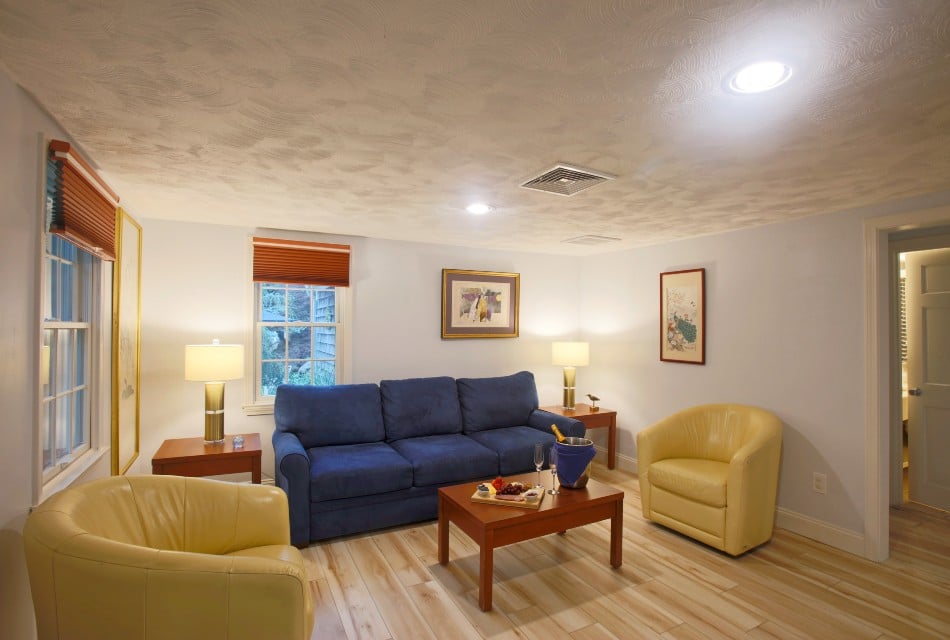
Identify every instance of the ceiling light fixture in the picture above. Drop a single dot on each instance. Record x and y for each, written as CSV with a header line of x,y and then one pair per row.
x,y
759,76
479,208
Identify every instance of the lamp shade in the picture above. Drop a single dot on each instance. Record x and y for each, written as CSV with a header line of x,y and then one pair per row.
x,y
214,362
570,354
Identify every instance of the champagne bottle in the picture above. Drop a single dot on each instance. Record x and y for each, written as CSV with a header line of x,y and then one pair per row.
x,y
557,432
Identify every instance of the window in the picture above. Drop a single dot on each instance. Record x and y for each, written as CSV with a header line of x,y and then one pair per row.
x,y
69,299
298,330
299,294
78,232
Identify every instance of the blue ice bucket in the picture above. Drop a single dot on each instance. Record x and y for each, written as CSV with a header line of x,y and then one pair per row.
x,y
574,457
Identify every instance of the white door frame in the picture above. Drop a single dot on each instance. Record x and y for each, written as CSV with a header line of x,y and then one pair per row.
x,y
880,389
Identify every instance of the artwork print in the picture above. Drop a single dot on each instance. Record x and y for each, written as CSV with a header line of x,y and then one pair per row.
x,y
682,316
126,341
479,304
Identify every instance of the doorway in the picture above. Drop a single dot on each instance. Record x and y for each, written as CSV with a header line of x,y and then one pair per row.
x,y
923,309
883,464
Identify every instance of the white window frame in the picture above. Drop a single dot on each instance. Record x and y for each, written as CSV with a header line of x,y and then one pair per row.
x,y
48,481
260,404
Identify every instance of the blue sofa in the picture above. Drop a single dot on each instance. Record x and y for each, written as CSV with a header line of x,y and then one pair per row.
x,y
359,457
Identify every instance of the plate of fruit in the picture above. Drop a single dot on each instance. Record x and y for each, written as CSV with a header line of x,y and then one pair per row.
x,y
500,491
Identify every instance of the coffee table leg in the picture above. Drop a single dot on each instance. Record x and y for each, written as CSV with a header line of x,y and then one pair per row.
x,y
443,534
486,566
616,536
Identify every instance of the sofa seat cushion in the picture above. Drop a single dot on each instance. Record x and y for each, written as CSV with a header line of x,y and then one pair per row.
x,y
491,403
446,459
351,470
514,446
702,481
420,407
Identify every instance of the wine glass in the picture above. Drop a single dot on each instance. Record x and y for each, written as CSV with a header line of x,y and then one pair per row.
x,y
554,490
539,460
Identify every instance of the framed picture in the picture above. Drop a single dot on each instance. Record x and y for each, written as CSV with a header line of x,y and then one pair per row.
x,y
683,316
126,309
479,304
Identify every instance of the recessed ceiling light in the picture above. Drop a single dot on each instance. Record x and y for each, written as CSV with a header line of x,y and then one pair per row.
x,y
478,208
759,76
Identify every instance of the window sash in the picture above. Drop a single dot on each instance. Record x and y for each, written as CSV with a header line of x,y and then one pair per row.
x,y
67,394
284,359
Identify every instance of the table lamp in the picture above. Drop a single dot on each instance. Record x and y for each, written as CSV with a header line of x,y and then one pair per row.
x,y
570,355
213,364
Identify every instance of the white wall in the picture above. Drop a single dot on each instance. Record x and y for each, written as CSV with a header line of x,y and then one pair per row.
x,y
785,331
195,286
24,129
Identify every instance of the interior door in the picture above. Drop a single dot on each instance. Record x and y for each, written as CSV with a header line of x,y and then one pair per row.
x,y
928,376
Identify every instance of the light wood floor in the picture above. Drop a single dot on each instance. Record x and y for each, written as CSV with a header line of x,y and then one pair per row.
x,y
389,585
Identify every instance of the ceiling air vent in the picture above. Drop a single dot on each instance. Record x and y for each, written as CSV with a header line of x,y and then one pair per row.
x,y
591,240
566,180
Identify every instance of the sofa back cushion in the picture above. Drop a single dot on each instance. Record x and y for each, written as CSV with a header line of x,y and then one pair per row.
x,y
321,416
492,403
420,407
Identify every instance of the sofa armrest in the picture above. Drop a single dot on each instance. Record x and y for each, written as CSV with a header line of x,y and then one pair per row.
x,y
542,421
292,474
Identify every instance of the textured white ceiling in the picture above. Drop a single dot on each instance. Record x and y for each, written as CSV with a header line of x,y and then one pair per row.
x,y
385,118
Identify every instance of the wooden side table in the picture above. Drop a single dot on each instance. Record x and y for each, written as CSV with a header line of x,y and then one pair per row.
x,y
593,420
194,458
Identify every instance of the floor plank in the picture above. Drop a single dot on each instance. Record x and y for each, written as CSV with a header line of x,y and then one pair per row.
x,y
389,585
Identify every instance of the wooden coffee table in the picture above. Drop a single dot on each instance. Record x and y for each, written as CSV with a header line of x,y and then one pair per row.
x,y
494,526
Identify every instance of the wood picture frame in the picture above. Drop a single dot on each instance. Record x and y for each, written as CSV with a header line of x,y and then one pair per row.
x,y
480,304
683,316
126,342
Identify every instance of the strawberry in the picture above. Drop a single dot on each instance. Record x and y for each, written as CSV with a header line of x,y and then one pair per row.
x,y
498,483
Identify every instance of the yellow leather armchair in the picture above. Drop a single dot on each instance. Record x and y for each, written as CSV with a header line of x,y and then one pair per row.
x,y
711,473
165,557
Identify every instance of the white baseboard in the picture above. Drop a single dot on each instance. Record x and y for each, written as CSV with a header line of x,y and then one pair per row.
x,y
829,534
624,463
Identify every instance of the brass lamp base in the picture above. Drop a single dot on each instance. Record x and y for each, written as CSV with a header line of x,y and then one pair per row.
x,y
569,376
214,412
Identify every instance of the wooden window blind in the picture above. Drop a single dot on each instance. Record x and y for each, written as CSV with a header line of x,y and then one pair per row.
x,y
81,205
300,262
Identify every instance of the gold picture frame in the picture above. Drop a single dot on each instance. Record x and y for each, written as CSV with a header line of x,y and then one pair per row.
x,y
683,316
479,304
126,342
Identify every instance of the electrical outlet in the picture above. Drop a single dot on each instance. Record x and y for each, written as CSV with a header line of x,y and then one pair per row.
x,y
819,483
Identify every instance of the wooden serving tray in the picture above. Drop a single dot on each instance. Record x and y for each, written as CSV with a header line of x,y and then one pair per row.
x,y
491,499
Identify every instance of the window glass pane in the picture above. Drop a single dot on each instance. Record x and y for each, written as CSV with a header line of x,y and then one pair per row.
x,y
298,304
273,304
299,347
81,357
46,426
324,373
54,289
46,355
64,380
324,342
67,304
272,374
272,343
63,424
299,372
80,420
324,305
